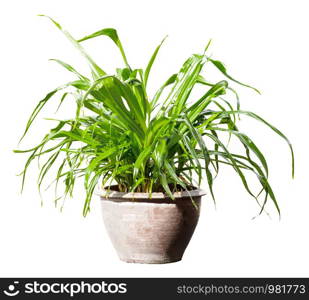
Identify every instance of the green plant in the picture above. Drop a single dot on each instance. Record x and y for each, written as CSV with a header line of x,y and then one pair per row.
x,y
120,134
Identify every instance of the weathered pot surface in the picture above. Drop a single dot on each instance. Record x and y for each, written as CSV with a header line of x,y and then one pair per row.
x,y
152,230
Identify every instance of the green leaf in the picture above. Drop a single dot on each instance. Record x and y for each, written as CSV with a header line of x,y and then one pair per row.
x,y
37,109
95,68
139,165
70,69
184,83
168,82
258,118
113,35
164,183
231,158
95,162
220,66
150,63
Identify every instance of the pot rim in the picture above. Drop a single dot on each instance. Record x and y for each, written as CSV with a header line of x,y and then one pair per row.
x,y
104,193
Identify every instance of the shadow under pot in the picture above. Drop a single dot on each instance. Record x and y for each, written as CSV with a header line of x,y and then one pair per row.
x,y
152,230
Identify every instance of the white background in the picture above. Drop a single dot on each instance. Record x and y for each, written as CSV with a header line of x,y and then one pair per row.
x,y
264,43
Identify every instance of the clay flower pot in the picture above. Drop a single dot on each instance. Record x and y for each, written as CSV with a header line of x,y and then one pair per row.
x,y
153,231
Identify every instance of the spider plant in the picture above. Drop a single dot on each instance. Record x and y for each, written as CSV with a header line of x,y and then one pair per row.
x,y
147,143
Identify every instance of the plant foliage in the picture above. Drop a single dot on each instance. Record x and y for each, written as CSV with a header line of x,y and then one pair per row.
x,y
120,134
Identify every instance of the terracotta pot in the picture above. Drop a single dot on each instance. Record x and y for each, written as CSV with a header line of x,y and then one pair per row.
x,y
153,231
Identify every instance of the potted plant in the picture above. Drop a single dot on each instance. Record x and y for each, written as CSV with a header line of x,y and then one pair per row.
x,y
147,154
